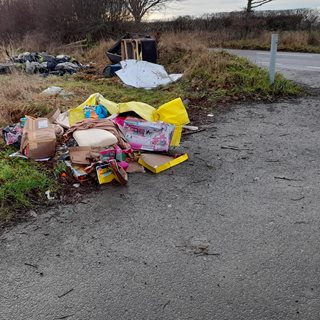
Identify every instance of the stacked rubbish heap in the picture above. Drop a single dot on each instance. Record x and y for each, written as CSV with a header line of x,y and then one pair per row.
x,y
42,63
104,140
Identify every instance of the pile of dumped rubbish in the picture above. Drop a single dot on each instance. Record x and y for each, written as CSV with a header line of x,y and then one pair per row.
x,y
42,63
134,61
104,140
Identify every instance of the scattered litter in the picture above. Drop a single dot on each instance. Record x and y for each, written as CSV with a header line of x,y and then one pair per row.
x,y
191,128
42,63
110,71
31,265
6,68
134,46
78,171
12,135
287,179
301,198
33,214
38,139
64,294
56,91
158,163
48,194
210,115
94,138
58,130
146,75
144,135
201,247
18,154
104,141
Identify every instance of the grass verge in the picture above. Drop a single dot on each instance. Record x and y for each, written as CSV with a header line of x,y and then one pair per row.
x,y
22,184
210,78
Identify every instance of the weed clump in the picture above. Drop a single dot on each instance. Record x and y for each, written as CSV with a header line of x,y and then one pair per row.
x,y
22,183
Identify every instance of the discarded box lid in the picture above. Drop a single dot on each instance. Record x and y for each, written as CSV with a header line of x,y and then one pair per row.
x,y
158,162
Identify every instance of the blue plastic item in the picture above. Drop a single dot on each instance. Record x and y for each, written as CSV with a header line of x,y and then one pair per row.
x,y
87,112
101,111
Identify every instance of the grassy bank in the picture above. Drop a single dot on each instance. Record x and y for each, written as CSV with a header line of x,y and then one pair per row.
x,y
210,78
22,184
292,41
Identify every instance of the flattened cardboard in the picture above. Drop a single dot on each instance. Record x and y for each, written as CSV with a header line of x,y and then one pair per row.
x,y
54,115
80,155
158,162
83,155
135,167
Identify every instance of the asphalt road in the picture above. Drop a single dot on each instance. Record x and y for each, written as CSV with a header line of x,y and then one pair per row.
x,y
231,234
300,67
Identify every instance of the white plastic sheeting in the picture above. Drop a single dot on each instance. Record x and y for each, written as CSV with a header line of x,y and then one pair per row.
x,y
143,74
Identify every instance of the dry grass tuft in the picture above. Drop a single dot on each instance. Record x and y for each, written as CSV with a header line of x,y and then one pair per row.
x,y
183,40
97,54
20,95
303,41
176,49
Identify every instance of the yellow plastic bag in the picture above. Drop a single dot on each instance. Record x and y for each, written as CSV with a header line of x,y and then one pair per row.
x,y
144,110
77,113
173,112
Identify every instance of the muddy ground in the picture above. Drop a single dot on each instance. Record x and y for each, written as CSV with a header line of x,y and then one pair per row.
x,y
231,234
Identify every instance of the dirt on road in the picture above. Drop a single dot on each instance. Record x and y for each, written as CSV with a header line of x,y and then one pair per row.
x,y
231,234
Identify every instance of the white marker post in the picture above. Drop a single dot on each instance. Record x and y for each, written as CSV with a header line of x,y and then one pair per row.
x,y
273,53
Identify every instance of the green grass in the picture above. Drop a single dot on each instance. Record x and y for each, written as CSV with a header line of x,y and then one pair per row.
x,y
220,76
22,183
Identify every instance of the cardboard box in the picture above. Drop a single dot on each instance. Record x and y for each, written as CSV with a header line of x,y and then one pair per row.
x,y
84,155
105,174
78,171
158,162
38,139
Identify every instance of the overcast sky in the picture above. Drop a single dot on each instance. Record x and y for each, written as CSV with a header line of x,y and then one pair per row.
x,y
199,7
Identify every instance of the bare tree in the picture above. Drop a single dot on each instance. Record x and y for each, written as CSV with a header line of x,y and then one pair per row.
x,y
139,8
252,4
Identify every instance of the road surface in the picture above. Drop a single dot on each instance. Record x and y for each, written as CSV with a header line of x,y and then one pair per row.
x,y
301,67
231,234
